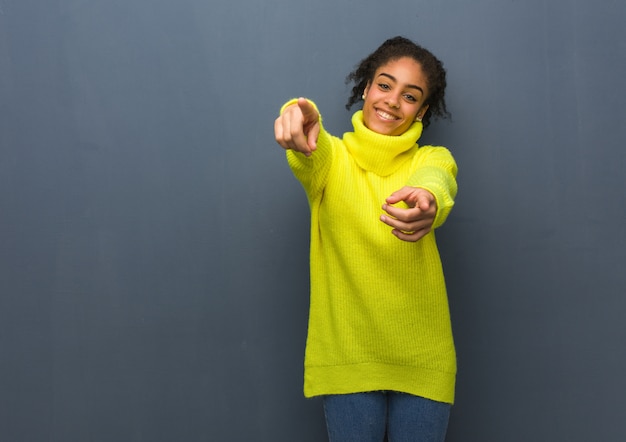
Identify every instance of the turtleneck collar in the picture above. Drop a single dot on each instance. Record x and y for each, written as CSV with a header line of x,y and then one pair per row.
x,y
380,154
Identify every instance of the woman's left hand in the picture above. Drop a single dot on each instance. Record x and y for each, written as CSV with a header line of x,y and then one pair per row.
x,y
412,223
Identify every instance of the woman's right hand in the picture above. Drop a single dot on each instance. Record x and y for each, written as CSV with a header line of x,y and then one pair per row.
x,y
298,127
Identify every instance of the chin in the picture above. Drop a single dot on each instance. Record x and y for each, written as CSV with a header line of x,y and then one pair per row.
x,y
381,128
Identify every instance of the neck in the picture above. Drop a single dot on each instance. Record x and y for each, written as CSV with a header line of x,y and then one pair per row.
x,y
381,154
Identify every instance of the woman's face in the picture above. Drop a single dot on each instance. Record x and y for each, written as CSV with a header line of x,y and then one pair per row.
x,y
395,98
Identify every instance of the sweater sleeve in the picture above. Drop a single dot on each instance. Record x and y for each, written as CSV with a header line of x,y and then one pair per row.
x,y
312,171
435,171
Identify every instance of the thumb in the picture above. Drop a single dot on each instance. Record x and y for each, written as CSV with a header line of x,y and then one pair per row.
x,y
424,200
311,136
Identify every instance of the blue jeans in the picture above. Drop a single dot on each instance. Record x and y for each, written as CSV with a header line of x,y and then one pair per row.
x,y
364,417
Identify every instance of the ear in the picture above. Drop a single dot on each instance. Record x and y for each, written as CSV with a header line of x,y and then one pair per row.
x,y
422,112
366,90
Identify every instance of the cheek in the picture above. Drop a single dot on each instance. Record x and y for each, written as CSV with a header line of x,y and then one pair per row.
x,y
412,111
369,97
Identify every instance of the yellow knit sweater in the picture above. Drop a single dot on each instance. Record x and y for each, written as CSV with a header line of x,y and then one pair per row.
x,y
379,317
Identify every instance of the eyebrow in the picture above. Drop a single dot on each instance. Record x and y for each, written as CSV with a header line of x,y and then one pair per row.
x,y
412,86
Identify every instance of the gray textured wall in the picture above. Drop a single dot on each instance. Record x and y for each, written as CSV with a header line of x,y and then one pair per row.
x,y
153,243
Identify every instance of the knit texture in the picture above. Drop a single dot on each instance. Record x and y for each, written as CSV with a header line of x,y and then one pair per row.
x,y
379,317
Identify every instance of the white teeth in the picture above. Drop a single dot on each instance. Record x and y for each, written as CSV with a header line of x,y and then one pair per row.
x,y
385,115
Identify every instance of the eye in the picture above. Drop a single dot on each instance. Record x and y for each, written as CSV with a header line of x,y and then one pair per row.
x,y
410,98
384,86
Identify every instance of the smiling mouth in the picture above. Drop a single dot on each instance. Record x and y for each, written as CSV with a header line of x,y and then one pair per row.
x,y
385,116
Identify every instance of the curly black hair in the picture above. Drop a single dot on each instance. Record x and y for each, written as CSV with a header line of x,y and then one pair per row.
x,y
393,49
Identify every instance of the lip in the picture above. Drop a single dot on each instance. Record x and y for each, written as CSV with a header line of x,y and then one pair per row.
x,y
386,116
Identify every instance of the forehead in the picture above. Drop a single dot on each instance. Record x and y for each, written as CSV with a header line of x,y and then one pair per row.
x,y
404,70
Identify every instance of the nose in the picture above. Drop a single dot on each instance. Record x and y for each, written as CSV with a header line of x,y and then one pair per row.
x,y
393,101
